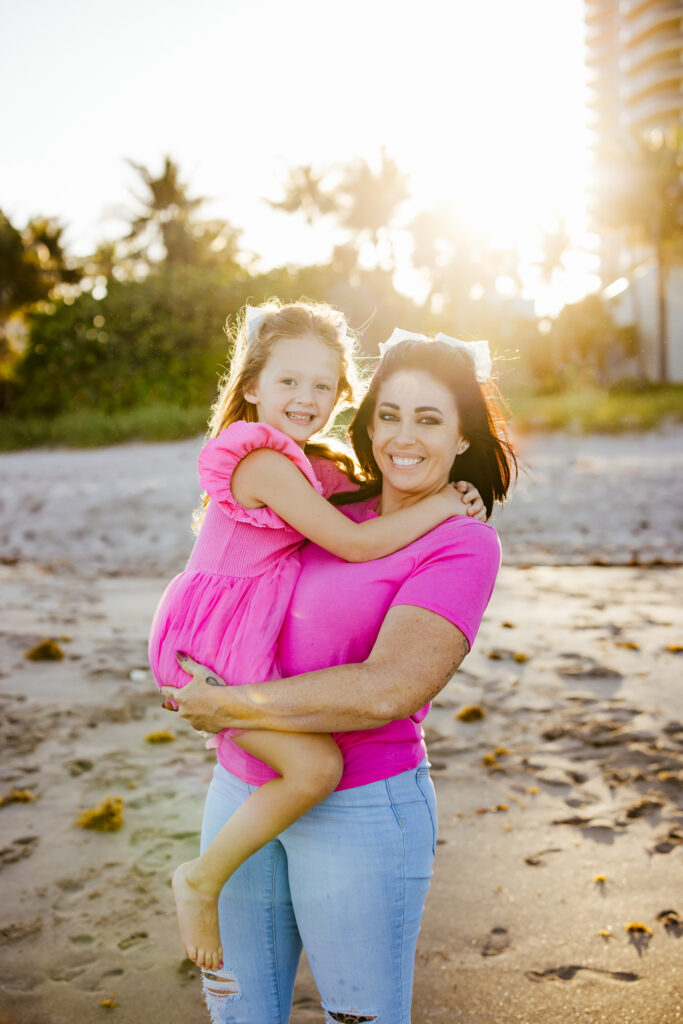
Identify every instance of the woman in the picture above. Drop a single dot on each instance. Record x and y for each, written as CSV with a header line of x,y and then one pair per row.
x,y
364,649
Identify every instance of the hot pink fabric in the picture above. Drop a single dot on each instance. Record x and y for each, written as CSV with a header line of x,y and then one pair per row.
x,y
336,612
227,608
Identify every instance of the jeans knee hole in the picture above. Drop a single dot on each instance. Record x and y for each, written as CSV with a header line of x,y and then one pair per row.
x,y
349,1018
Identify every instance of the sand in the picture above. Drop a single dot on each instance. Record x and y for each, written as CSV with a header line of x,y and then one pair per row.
x,y
560,810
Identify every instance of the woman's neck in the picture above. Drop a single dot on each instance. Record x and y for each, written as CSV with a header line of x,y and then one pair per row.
x,y
391,500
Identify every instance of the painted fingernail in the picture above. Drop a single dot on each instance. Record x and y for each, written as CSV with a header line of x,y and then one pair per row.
x,y
181,656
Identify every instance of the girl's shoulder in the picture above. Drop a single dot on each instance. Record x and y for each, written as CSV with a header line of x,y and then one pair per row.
x,y
221,455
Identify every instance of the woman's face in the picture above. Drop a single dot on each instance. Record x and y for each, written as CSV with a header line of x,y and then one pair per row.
x,y
415,434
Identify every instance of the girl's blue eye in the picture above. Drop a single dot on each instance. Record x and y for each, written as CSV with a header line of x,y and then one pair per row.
x,y
286,380
388,416
324,387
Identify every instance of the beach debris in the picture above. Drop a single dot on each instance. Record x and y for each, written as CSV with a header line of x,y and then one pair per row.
x,y
675,648
46,650
671,920
638,928
605,933
536,859
491,760
160,736
599,879
17,796
627,645
106,817
109,1004
496,943
503,654
508,625
496,809
470,713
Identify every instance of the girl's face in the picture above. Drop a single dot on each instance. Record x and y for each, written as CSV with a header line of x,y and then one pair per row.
x,y
415,435
297,388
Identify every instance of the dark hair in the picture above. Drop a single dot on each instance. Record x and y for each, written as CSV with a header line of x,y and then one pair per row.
x,y
489,462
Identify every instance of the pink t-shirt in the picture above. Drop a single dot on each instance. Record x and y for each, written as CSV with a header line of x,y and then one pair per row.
x,y
336,612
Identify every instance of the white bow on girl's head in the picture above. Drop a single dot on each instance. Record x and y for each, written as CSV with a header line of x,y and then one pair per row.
x,y
478,350
253,318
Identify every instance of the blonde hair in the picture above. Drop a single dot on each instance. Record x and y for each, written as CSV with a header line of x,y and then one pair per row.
x,y
250,352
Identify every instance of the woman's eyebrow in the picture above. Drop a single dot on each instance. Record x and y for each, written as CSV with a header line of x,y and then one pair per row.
x,y
428,408
391,405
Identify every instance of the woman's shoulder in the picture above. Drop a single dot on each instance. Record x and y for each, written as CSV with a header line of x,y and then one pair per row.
x,y
462,535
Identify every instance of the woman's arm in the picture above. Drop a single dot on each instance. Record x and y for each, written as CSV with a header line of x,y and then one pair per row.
x,y
414,656
266,477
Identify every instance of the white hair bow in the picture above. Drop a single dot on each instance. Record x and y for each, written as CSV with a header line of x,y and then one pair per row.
x,y
253,318
478,350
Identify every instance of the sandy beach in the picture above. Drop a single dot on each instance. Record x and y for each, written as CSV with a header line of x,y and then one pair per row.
x,y
558,891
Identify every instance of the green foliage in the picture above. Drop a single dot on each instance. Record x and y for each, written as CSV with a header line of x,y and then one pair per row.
x,y
157,340
91,428
598,410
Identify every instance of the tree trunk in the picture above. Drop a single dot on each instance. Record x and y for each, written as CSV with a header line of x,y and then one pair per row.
x,y
662,311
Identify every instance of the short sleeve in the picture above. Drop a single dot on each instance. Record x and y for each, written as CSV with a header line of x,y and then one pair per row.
x,y
222,454
455,576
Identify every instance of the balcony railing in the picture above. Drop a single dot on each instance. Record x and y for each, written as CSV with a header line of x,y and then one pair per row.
x,y
657,79
653,21
656,110
651,51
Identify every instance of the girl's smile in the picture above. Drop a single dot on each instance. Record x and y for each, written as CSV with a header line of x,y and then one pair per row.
x,y
297,388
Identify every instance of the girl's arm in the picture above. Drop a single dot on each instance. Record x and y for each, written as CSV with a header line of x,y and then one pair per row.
x,y
414,656
266,477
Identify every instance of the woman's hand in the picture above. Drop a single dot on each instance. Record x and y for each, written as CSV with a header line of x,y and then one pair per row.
x,y
204,702
472,499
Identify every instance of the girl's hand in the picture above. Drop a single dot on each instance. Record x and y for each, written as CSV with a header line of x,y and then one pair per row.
x,y
202,702
472,499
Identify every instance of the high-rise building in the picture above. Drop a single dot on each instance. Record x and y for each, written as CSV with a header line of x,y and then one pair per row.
x,y
634,57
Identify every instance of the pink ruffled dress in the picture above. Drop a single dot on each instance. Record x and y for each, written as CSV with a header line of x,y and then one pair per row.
x,y
227,608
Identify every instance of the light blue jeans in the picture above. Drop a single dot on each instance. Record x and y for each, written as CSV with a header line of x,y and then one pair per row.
x,y
349,880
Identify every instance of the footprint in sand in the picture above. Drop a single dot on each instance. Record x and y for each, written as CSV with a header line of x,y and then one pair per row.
x,y
18,930
18,850
569,972
497,942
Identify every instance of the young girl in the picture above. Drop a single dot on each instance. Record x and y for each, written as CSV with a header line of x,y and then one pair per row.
x,y
291,367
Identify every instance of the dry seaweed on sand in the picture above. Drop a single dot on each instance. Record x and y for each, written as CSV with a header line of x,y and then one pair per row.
x,y
46,650
470,713
17,796
106,817
160,736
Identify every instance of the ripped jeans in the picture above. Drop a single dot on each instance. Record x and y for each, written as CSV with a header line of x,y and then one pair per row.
x,y
348,880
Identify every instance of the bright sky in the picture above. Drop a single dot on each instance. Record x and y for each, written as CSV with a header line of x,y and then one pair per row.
x,y
482,103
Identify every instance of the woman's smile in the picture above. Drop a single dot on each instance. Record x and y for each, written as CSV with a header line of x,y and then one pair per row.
x,y
415,438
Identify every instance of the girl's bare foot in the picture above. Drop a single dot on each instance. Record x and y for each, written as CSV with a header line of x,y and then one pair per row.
x,y
197,909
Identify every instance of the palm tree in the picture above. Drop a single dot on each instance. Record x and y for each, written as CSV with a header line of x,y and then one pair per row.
x,y
644,199
304,193
369,201
166,216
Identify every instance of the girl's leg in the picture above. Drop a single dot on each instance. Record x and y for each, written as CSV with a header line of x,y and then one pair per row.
x,y
258,930
359,870
310,766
